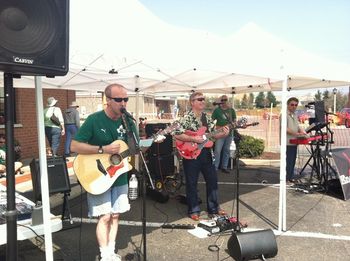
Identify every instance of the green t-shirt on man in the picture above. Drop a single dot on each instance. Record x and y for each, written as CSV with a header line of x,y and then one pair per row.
x,y
98,129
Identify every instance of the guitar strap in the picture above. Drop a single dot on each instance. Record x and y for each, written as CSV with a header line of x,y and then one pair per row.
x,y
132,143
204,120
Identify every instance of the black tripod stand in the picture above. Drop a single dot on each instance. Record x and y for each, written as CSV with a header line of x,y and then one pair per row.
x,y
320,157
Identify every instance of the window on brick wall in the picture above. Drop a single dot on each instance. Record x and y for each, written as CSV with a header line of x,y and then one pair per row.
x,y
2,106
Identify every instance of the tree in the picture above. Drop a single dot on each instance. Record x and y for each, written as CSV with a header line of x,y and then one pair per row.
x,y
237,103
271,98
318,96
251,101
244,102
327,100
342,100
260,100
325,95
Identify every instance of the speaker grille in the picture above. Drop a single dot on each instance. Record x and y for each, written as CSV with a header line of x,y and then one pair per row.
x,y
34,37
29,29
57,173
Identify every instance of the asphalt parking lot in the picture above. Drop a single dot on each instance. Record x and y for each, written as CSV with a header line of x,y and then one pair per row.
x,y
318,227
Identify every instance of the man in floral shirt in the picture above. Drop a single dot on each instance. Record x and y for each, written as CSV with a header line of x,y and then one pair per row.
x,y
204,163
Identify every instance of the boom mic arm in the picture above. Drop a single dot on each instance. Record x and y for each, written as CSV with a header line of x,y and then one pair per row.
x,y
124,111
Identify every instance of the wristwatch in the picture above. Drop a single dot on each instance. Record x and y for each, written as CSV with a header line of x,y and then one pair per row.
x,y
100,150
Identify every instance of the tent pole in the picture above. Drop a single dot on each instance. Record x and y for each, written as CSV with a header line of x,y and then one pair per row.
x,y
282,193
270,129
43,169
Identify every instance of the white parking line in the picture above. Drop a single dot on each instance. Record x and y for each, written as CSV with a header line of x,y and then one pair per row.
x,y
302,234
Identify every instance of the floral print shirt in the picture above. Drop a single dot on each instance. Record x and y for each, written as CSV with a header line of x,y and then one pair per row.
x,y
191,122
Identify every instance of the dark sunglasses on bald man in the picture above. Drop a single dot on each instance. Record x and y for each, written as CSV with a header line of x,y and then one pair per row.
x,y
117,99
199,99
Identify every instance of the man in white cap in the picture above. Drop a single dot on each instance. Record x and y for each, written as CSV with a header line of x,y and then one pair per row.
x,y
71,125
53,121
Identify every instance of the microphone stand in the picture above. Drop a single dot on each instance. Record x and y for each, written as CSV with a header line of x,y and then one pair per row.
x,y
238,225
133,151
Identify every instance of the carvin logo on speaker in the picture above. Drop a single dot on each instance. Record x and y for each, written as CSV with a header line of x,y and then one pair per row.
x,y
22,60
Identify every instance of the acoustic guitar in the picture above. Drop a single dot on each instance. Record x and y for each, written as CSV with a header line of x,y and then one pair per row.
x,y
97,172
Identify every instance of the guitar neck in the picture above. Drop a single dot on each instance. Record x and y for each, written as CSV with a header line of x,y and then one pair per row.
x,y
125,153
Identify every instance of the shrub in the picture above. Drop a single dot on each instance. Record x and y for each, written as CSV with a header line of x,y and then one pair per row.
x,y
250,147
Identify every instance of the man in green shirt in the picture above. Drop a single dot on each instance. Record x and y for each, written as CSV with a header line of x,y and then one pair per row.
x,y
97,135
223,115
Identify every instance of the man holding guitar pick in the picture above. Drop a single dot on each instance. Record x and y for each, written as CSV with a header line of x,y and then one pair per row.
x,y
193,143
101,140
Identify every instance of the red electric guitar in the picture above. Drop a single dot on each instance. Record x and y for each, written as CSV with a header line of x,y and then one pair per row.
x,y
191,150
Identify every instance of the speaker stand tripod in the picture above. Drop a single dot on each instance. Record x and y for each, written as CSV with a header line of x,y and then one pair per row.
x,y
249,245
235,165
66,209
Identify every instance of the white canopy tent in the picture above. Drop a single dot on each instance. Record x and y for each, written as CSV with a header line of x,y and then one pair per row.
x,y
121,41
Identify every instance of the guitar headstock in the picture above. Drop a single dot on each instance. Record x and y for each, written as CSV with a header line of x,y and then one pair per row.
x,y
247,125
159,136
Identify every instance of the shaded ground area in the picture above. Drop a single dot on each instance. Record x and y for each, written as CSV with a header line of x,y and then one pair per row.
x,y
319,224
266,155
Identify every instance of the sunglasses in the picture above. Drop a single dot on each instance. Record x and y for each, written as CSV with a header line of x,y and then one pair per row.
x,y
199,99
117,99
223,100
293,104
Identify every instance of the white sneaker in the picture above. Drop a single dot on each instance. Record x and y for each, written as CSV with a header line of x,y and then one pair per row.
x,y
115,257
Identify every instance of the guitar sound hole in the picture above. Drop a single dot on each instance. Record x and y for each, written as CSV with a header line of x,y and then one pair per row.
x,y
116,159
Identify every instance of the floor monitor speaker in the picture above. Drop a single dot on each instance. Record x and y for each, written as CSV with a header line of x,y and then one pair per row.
x,y
34,37
57,176
251,245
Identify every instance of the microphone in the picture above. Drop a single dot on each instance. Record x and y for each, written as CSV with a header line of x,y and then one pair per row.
x,y
124,111
217,103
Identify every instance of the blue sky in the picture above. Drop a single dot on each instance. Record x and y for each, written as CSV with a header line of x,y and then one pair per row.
x,y
318,26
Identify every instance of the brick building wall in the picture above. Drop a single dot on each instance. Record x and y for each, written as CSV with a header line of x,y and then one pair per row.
x,y
25,130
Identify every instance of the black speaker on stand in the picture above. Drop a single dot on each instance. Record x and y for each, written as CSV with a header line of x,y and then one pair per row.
x,y
34,37
248,245
33,41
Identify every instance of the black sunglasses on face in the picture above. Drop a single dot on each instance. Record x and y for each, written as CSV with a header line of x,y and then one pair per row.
x,y
223,100
117,99
198,99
